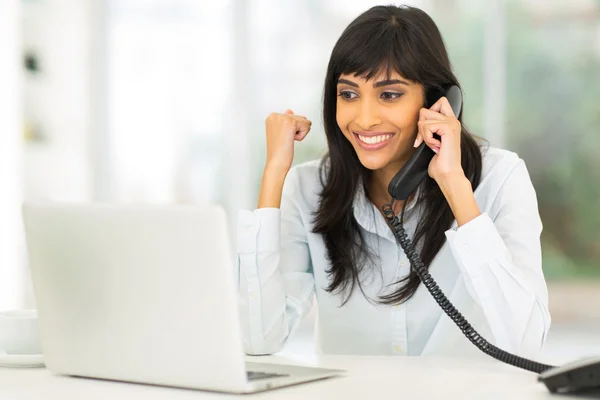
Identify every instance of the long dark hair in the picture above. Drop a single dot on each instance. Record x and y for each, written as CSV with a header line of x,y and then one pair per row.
x,y
406,40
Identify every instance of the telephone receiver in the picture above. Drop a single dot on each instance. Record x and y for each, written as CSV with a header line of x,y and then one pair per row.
x,y
577,376
406,181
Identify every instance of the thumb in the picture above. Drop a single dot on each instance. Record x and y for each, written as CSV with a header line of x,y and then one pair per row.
x,y
288,111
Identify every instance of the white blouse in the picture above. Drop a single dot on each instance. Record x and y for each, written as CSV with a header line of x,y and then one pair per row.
x,y
490,269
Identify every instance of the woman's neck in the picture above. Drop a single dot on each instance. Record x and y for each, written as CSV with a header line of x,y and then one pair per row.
x,y
378,185
379,182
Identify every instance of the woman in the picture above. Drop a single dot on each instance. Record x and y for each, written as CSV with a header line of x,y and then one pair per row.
x,y
474,219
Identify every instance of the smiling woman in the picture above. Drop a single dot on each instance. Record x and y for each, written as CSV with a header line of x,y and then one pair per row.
x,y
386,67
318,229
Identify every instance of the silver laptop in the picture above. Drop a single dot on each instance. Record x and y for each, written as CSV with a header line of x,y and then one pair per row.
x,y
143,294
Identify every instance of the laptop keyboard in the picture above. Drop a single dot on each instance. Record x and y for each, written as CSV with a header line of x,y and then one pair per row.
x,y
255,375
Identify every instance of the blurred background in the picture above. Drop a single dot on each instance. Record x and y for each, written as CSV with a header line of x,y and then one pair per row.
x,y
164,101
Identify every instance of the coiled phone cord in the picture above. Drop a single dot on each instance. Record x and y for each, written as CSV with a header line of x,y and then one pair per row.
x,y
464,325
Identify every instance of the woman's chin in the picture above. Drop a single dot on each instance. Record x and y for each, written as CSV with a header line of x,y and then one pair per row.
x,y
373,162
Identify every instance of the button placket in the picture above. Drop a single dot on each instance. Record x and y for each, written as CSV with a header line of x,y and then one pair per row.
x,y
399,329
399,339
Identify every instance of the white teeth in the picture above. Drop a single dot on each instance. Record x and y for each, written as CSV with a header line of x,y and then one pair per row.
x,y
374,139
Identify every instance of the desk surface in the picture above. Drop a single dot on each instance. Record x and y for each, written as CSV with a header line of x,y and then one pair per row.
x,y
368,377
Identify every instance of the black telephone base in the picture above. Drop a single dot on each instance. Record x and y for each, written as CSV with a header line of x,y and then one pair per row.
x,y
582,376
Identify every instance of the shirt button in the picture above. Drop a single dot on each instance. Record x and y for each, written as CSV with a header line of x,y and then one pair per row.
x,y
253,295
397,348
465,248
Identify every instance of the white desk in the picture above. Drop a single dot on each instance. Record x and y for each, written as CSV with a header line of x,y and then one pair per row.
x,y
368,377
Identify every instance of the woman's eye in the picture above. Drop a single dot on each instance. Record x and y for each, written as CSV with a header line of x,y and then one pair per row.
x,y
347,95
390,95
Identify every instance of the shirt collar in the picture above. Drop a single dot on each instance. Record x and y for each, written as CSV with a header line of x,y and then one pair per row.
x,y
370,218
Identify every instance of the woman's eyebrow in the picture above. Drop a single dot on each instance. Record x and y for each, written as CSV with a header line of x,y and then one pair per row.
x,y
386,82
347,82
389,82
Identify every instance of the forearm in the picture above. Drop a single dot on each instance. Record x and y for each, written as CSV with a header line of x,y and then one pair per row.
x,y
271,187
459,193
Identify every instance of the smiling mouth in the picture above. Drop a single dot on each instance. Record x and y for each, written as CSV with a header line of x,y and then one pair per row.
x,y
371,140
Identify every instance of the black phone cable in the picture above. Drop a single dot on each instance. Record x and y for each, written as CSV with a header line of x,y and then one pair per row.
x,y
482,344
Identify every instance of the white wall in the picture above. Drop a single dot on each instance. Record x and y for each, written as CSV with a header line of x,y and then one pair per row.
x,y
57,100
11,239
58,106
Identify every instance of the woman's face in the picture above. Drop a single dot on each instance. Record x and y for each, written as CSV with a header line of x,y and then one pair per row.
x,y
379,117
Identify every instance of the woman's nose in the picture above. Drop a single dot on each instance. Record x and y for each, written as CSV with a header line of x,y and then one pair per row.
x,y
368,115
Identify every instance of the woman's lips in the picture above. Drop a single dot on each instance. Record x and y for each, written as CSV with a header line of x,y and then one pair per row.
x,y
374,146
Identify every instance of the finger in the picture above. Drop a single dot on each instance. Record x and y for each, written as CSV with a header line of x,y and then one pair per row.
x,y
418,139
442,106
428,114
302,127
301,135
427,135
288,111
302,132
299,117
427,132
440,127
450,129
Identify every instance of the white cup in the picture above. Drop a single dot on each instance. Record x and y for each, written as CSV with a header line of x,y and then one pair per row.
x,y
19,333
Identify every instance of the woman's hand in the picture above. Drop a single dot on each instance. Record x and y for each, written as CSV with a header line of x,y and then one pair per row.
x,y
282,130
440,119
445,166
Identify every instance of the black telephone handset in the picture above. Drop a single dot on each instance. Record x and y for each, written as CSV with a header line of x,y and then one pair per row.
x,y
406,181
577,376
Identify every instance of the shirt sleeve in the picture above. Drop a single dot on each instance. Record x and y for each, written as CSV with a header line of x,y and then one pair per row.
x,y
276,283
501,263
